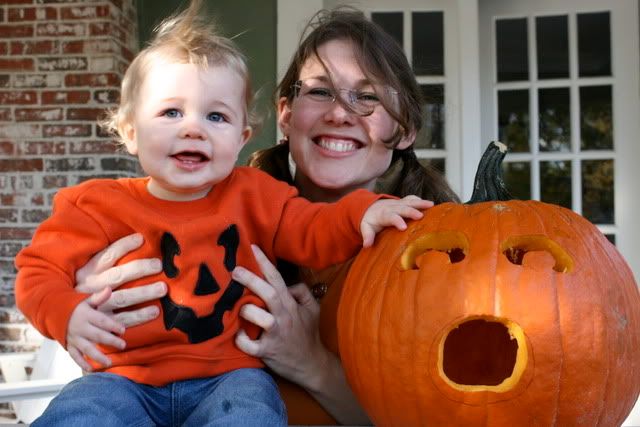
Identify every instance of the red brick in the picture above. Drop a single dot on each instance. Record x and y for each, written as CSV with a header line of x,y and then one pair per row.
x,y
61,29
64,63
15,131
66,130
92,147
21,199
17,1
32,14
7,148
70,164
65,97
10,31
102,45
4,48
5,115
21,165
37,80
22,64
92,79
8,215
34,215
38,114
106,96
92,114
41,147
9,250
54,181
85,12
18,97
107,29
34,47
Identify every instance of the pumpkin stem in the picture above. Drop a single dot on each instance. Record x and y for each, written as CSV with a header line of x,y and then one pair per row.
x,y
488,185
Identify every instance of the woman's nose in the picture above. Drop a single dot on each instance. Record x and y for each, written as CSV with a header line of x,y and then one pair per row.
x,y
339,113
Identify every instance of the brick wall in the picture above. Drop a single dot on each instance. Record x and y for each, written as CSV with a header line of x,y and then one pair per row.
x,y
61,62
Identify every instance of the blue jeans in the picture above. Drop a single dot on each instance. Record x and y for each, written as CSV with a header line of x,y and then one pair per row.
x,y
244,397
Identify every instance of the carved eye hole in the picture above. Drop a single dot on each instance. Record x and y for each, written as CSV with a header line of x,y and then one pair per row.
x,y
452,246
525,250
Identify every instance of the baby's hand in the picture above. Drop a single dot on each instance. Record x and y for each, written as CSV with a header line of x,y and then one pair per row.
x,y
88,327
386,213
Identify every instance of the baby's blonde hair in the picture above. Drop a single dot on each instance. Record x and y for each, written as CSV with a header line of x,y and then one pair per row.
x,y
183,38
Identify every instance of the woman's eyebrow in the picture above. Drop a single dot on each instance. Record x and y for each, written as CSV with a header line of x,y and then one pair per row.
x,y
324,78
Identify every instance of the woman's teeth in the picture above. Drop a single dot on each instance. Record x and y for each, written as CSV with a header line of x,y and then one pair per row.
x,y
340,146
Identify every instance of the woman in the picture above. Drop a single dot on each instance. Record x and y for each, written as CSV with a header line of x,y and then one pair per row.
x,y
349,108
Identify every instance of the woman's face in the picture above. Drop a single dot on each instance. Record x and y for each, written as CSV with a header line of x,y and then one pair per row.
x,y
335,150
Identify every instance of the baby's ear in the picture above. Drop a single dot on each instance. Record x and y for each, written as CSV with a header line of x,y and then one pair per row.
x,y
128,134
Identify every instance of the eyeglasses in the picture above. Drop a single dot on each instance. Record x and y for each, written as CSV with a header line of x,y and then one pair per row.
x,y
361,102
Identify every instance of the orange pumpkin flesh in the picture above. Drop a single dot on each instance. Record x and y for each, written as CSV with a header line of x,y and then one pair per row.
x,y
494,313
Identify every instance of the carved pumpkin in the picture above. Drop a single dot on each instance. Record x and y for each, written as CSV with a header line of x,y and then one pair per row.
x,y
492,313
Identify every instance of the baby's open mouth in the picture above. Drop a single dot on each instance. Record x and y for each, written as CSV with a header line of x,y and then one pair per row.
x,y
191,157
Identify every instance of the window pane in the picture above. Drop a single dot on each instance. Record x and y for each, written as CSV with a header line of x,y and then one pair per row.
x,y
512,49
594,44
597,191
428,43
552,41
438,164
555,183
611,238
596,121
517,178
554,117
432,133
391,22
513,119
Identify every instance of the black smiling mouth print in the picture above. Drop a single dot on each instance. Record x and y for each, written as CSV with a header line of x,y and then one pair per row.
x,y
200,329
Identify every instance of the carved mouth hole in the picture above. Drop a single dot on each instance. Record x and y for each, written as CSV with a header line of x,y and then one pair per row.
x,y
479,353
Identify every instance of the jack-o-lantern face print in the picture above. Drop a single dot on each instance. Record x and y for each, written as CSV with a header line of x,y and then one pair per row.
x,y
496,313
184,318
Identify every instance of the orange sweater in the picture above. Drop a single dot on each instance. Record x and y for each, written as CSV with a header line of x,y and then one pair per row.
x,y
200,242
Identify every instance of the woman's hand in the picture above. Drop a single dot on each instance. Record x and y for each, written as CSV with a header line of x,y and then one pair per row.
x,y
290,342
99,273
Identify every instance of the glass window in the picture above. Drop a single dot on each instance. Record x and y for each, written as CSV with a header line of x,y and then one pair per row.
x,y
392,24
432,133
594,44
513,119
552,44
555,183
517,178
597,191
428,43
596,119
512,49
554,119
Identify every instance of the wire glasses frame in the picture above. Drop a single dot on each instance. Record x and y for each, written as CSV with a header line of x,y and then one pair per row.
x,y
361,102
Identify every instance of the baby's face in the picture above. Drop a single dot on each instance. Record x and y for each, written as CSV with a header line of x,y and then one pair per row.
x,y
188,128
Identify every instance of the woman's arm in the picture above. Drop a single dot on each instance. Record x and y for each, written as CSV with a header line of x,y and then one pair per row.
x,y
290,343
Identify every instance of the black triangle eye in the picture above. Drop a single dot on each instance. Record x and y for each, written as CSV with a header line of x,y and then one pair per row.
x,y
169,248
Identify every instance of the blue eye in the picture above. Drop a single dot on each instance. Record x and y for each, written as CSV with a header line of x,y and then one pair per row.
x,y
172,113
216,117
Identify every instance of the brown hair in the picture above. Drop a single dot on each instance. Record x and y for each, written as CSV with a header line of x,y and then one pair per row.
x,y
383,62
190,38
